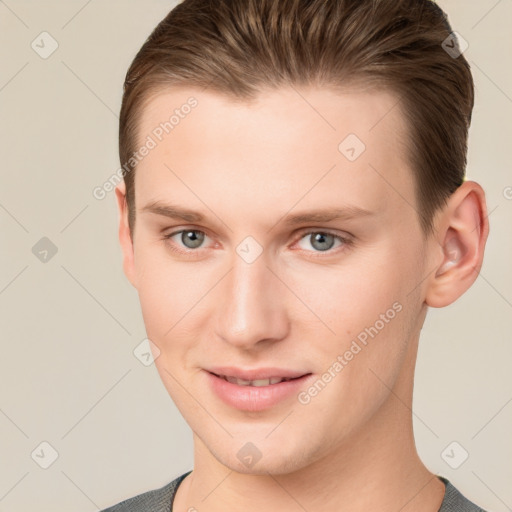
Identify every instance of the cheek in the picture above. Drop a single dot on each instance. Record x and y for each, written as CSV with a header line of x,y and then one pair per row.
x,y
168,294
167,290
348,297
370,312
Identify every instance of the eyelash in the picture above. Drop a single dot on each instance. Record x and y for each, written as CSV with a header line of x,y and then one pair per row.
x,y
346,242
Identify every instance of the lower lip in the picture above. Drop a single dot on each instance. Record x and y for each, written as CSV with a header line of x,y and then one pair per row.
x,y
255,398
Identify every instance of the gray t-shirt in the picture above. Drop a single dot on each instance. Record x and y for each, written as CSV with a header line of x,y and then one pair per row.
x,y
160,500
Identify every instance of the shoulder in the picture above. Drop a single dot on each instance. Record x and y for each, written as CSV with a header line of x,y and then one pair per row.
x,y
157,500
454,501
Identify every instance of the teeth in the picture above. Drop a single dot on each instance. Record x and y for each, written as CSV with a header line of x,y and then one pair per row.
x,y
256,383
240,382
260,382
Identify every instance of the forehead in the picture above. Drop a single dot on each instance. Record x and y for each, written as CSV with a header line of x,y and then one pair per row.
x,y
331,111
285,144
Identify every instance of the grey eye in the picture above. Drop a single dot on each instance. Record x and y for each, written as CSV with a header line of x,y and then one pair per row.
x,y
320,241
192,238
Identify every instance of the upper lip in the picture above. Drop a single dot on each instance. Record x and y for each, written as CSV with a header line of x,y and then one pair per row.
x,y
256,373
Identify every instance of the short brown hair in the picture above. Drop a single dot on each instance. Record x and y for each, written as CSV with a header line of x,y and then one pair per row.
x,y
240,47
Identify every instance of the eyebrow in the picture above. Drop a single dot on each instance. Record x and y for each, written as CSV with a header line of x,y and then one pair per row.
x,y
318,215
326,215
173,211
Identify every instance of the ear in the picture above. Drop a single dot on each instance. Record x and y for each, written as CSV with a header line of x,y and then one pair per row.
x,y
462,228
125,238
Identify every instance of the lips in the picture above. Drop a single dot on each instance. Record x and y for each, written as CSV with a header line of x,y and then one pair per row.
x,y
257,389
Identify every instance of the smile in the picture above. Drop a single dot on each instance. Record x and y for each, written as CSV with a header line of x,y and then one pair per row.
x,y
256,394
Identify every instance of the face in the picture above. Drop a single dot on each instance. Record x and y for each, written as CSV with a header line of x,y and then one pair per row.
x,y
278,238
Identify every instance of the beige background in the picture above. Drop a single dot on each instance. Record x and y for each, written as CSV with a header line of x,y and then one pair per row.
x,y
70,325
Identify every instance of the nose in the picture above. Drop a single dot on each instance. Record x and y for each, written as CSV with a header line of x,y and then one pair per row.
x,y
251,311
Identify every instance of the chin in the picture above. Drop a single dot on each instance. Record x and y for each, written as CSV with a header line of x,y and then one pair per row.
x,y
268,458
276,466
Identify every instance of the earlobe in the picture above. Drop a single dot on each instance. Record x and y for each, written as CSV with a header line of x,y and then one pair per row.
x,y
462,229
125,238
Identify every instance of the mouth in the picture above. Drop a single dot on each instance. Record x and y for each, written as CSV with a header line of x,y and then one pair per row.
x,y
256,390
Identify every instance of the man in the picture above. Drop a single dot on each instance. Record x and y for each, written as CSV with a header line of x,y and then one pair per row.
x,y
293,202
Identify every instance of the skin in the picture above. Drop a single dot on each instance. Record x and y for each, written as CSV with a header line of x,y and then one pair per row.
x,y
246,167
